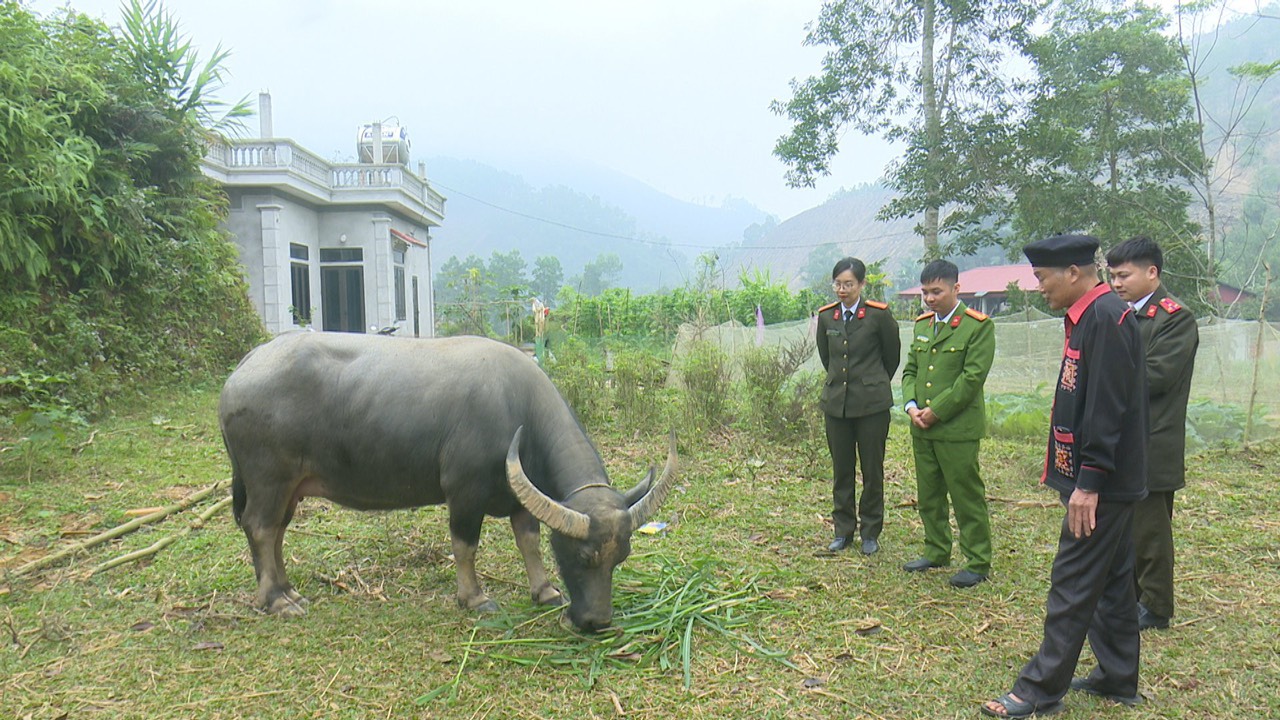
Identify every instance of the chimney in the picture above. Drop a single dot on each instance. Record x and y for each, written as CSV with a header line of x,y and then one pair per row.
x,y
422,169
264,115
377,143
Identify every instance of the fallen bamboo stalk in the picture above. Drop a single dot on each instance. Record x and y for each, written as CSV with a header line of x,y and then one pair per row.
x,y
163,542
119,530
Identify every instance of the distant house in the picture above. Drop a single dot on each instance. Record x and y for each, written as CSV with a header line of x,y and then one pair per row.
x,y
339,246
1230,294
986,289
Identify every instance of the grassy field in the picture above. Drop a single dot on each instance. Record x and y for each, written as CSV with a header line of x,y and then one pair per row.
x,y
783,630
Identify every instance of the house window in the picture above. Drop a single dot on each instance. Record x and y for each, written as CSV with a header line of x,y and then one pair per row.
x,y
341,255
300,279
397,260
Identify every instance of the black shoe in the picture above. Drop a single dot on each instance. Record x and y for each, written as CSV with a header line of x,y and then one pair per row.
x,y
870,546
840,543
966,579
920,565
1148,620
1085,685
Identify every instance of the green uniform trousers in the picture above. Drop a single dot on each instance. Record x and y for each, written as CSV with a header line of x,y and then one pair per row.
x,y
951,469
1153,541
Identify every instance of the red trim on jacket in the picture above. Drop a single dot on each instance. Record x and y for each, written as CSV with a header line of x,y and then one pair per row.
x,y
1077,309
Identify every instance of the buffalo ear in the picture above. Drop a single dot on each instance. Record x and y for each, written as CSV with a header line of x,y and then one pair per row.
x,y
647,505
632,496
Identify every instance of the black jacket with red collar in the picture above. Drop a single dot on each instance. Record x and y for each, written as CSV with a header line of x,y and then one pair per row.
x,y
1098,433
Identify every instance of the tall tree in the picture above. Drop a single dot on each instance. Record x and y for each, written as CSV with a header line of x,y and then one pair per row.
x,y
1108,139
601,273
548,277
507,273
1230,137
912,71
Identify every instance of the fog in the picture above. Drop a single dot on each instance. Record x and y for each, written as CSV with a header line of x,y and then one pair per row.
x,y
673,93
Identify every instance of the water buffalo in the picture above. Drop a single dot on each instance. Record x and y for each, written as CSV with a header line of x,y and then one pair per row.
x,y
376,423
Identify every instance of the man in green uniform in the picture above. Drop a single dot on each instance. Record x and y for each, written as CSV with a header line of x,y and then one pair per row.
x,y
1170,337
947,366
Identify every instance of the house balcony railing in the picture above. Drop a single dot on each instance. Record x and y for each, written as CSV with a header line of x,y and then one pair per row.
x,y
284,163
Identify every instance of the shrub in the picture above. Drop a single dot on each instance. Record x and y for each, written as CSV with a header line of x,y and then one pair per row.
x,y
1018,415
638,381
579,374
704,376
772,402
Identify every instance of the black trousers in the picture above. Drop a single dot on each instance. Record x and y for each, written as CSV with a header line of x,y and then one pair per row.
x,y
846,438
1091,594
1153,551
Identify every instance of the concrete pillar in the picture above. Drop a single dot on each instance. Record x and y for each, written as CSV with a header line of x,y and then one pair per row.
x,y
380,305
277,294
430,324
265,128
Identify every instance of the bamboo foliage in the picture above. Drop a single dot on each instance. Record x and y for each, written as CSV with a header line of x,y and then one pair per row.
x,y
112,263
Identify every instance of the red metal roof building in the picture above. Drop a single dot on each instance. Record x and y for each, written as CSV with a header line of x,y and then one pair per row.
x,y
985,289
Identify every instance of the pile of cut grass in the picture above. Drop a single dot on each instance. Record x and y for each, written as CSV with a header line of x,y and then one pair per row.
x,y
661,613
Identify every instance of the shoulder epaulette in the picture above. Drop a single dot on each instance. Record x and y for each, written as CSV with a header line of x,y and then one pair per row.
x,y
924,316
1170,305
979,316
824,308
874,304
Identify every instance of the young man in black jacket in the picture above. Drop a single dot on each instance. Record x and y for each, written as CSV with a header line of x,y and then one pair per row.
x,y
1097,461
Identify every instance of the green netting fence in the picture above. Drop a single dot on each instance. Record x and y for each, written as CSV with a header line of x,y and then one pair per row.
x,y
1235,394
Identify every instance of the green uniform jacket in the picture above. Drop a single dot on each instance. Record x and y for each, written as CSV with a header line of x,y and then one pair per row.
x,y
946,372
1170,337
860,357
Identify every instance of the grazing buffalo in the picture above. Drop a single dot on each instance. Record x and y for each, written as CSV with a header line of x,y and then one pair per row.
x,y
376,423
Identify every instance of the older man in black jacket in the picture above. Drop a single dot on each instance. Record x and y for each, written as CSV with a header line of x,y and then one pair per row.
x,y
1097,461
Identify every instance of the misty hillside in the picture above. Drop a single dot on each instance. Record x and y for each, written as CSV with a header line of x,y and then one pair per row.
x,y
576,214
683,223
846,221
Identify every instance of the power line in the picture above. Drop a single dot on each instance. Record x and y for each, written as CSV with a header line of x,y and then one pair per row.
x,y
656,243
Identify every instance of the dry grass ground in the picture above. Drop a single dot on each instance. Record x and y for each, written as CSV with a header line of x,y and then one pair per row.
x,y
175,636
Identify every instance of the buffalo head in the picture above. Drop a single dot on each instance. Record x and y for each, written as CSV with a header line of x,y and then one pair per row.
x,y
592,531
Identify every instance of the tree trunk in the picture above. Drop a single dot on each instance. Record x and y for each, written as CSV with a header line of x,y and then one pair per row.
x,y
932,128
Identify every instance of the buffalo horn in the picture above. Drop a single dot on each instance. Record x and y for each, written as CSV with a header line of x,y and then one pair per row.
x,y
554,515
652,500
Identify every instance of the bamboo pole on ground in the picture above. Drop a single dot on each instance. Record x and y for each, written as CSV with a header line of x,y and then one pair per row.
x,y
116,532
163,542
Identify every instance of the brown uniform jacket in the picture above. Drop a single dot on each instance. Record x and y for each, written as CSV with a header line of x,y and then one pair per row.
x,y
1170,337
860,357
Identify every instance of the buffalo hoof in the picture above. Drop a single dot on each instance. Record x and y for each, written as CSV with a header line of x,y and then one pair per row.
x,y
548,596
479,604
286,606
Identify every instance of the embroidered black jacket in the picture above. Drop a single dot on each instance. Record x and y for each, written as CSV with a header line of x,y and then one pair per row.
x,y
1098,433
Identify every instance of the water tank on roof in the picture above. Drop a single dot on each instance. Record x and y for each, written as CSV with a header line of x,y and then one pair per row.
x,y
395,144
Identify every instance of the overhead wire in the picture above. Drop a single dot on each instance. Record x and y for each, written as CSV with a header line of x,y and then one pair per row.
x,y
655,243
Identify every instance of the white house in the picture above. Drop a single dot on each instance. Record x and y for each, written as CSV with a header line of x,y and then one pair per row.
x,y
339,246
